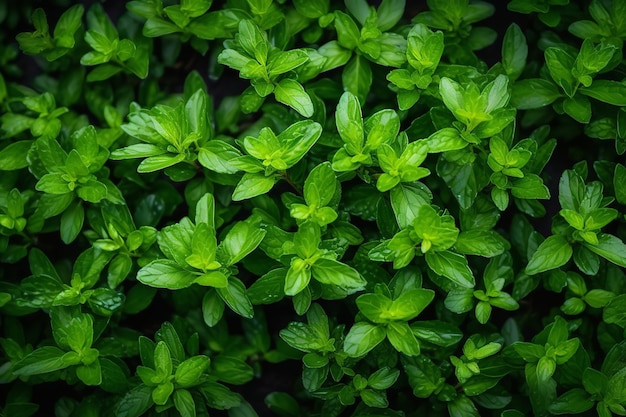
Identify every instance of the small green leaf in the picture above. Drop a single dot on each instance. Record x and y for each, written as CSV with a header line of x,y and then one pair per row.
x,y
252,185
159,162
362,338
184,403
189,371
446,139
609,247
13,157
328,271
383,378
514,51
242,239
43,360
402,338
534,93
615,311
452,266
234,295
291,93
553,252
163,273
619,178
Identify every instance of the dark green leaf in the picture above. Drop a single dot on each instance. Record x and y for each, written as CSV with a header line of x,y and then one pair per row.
x,y
609,247
615,311
452,266
553,252
611,92
534,93
514,51
13,156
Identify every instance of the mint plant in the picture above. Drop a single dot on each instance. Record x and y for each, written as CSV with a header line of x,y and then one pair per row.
x,y
312,208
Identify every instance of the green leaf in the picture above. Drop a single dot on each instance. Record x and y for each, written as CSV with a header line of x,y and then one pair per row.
x,y
402,338
282,404
463,179
375,307
184,403
139,150
235,297
452,266
560,64
615,311
460,300
410,303
406,199
530,187
43,360
215,279
328,271
349,122
619,178
381,127
205,210
362,338
291,93
452,94
607,91
217,155
135,402
253,40
13,157
514,51
444,140
437,232
595,382
164,273
348,34
283,62
242,239
437,332
487,243
53,184
553,253
424,376
462,407
383,378
212,307
357,77
534,93
609,247
304,337
252,185
297,139
188,373
159,162
312,9
574,401
571,190
269,288
389,13
578,107
72,222
91,374
297,278
320,185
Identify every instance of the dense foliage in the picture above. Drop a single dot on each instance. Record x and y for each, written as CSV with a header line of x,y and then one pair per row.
x,y
312,208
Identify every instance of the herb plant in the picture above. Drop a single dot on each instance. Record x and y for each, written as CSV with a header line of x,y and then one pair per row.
x,y
313,208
